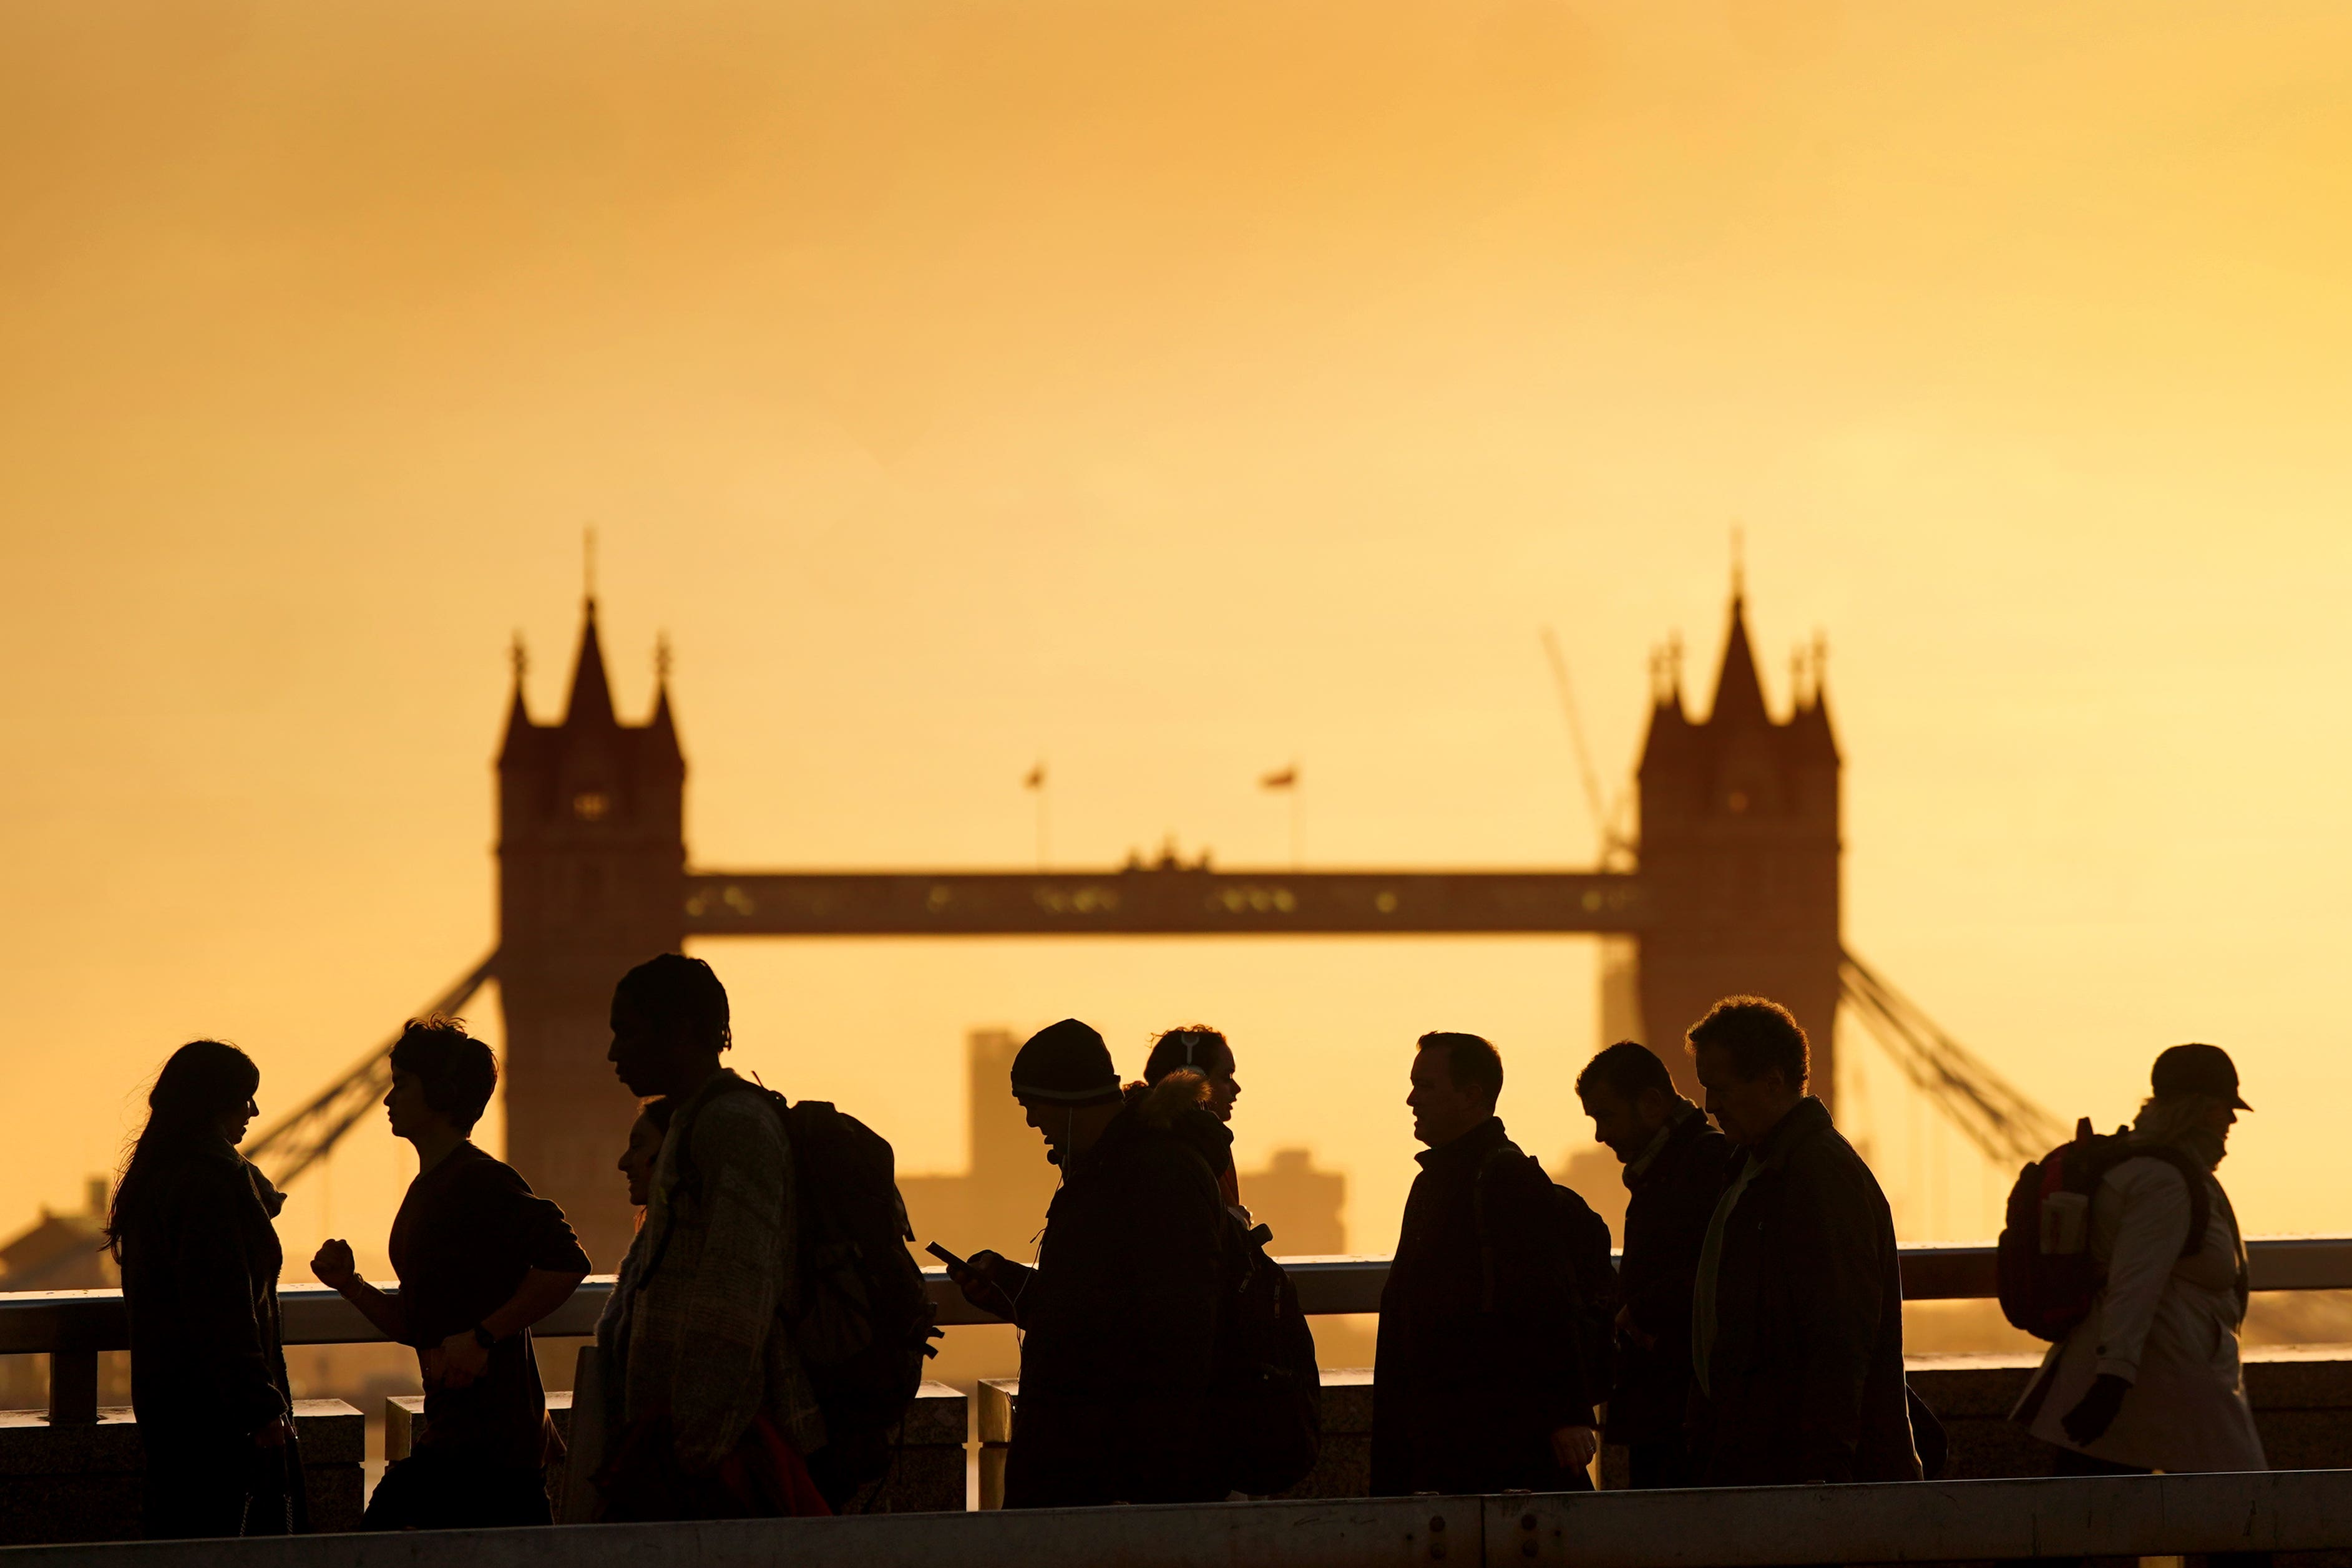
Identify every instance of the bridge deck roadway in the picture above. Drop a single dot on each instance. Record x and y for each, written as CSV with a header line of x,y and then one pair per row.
x,y
1927,1522
1160,901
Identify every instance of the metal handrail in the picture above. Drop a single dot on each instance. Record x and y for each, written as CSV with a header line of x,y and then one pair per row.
x,y
92,1321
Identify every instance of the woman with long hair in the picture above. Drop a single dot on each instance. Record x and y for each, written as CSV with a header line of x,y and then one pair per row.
x,y
192,1229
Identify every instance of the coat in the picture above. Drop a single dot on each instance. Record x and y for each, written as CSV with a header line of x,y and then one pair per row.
x,y
1469,1385
2165,1324
1672,1196
200,1266
693,1331
1805,1378
1120,1316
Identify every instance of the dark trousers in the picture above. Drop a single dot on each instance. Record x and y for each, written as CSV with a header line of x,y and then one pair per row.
x,y
439,1488
1659,1464
215,1484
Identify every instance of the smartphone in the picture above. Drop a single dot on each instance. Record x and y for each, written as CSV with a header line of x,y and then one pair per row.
x,y
948,1257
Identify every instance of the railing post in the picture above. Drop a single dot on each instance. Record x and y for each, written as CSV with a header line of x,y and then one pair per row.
x,y
73,1388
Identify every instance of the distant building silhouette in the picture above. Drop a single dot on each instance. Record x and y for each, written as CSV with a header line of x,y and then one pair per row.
x,y
62,1251
1000,1201
1307,1208
59,1252
592,877
1600,1179
1740,856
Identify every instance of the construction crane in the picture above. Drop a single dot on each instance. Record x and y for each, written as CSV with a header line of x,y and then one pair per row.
x,y
305,1136
2000,1119
1617,845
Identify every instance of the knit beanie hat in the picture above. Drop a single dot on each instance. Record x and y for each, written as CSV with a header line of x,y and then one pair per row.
x,y
1066,1064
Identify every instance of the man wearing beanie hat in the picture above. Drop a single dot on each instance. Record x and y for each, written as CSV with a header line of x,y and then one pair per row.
x,y
1120,1315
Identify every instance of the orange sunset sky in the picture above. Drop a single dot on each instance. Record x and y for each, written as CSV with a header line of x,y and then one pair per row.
x,y
1174,388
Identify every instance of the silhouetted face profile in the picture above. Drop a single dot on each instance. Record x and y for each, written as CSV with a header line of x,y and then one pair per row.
x,y
1745,1108
1617,1122
406,1108
645,1057
637,1159
1442,1109
1224,1087
232,1123
1053,1123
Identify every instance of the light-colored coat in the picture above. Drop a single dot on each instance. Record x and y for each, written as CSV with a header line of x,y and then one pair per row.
x,y
2167,1324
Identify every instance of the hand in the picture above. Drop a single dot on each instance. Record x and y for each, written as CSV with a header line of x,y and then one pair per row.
x,y
463,1359
2089,1420
979,1284
273,1435
333,1264
1574,1447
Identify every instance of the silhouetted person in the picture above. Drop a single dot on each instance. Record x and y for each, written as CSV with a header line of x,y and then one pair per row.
x,y
192,1228
642,1152
1797,1313
1480,1383
595,1413
712,1414
2150,1380
480,1259
1197,1048
1120,1316
1675,1165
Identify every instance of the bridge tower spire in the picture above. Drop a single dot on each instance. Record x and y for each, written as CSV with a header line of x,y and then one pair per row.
x,y
1740,857
592,866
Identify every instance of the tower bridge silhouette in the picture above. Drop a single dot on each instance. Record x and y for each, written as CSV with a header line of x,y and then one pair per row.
x,y
1734,888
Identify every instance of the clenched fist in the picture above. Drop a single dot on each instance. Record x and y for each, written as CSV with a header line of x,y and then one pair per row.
x,y
334,1265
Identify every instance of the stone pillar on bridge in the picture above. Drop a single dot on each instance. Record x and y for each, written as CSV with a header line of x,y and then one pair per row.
x,y
1740,855
592,867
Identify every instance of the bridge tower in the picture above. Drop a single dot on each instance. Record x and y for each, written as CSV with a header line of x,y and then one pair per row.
x,y
591,865
1740,856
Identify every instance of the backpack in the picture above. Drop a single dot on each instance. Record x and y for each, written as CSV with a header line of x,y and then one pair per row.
x,y
864,1323
1576,1250
1265,1387
2048,1277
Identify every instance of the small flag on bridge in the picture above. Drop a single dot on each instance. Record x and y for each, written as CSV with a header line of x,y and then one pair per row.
x,y
1285,780
1037,780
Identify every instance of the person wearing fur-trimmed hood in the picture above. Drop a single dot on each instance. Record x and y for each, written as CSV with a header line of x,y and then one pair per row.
x,y
1120,1314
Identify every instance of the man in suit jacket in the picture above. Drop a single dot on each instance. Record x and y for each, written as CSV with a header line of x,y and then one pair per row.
x,y
1797,1311
1675,1165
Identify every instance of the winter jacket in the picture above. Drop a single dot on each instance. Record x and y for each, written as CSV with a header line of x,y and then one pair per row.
x,y
200,1266
1470,1383
2165,1324
1805,1379
1120,1316
692,1331
1673,1195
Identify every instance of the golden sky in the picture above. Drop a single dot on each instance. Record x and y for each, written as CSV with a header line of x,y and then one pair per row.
x,y
1175,388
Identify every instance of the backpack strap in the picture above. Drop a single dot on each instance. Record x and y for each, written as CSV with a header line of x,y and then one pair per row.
x,y
2201,1199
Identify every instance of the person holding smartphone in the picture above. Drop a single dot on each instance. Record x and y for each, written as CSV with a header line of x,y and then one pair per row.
x,y
1120,1315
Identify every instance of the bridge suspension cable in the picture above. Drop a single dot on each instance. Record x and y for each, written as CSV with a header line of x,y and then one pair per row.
x,y
307,1134
2000,1119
